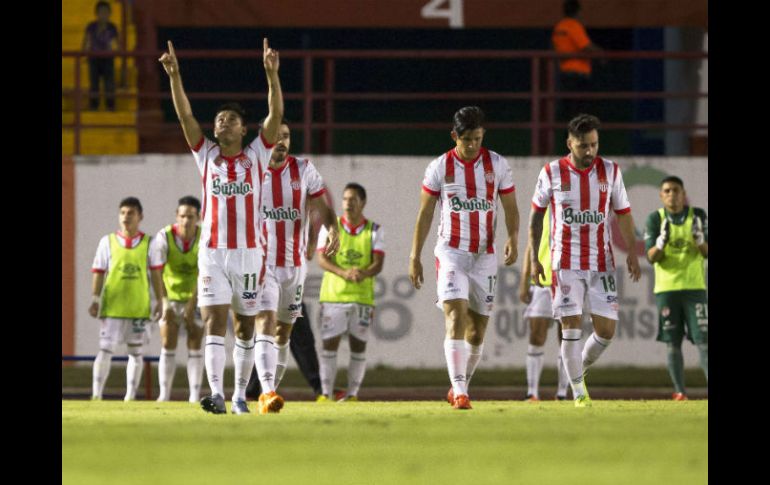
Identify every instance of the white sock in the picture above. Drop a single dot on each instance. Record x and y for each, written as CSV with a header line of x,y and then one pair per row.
x,y
133,375
328,370
474,357
101,371
266,357
561,389
166,369
573,362
195,373
535,358
457,364
281,362
356,371
593,348
243,359
214,357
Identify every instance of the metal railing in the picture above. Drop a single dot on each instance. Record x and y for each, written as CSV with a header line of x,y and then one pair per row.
x,y
543,94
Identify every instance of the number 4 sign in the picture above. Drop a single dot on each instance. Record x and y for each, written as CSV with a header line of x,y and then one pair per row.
x,y
453,11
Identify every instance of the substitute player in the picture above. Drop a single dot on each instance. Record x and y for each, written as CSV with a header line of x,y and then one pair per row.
x,y
347,290
121,296
177,247
468,180
539,313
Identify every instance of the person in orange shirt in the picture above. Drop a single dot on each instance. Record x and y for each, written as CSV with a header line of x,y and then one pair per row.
x,y
569,35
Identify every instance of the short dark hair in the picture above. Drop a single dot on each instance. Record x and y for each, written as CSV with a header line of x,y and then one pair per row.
x,y
358,188
102,4
571,8
468,118
582,124
674,179
131,202
191,201
232,106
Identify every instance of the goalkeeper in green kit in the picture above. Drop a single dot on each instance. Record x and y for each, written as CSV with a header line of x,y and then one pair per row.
x,y
676,241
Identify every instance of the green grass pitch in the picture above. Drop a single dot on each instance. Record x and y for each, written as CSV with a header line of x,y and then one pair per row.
x,y
506,442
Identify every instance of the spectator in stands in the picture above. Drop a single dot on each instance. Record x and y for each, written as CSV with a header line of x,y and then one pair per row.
x,y
569,35
677,242
100,36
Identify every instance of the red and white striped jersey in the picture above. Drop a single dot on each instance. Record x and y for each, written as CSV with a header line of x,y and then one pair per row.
x,y
231,193
580,206
468,192
284,219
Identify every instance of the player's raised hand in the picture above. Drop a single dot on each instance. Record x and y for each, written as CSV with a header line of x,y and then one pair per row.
x,y
511,252
168,59
269,57
415,273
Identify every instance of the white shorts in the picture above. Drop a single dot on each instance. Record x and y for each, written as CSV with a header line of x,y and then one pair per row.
x,y
338,318
230,277
570,292
541,305
178,308
115,331
282,292
466,276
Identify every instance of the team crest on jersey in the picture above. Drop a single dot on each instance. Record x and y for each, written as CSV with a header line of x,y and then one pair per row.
x,y
449,179
296,185
566,187
604,186
489,177
245,162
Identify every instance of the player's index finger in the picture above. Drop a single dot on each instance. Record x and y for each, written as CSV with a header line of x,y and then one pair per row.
x,y
264,43
171,48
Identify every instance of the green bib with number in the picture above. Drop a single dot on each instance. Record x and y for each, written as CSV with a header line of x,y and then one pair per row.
x,y
683,265
126,292
181,270
355,252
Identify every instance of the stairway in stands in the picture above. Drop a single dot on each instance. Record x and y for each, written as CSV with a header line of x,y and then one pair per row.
x,y
76,14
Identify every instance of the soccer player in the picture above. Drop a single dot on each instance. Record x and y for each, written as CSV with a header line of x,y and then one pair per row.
x,y
539,312
291,187
677,243
580,189
121,296
177,247
467,180
230,259
347,291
